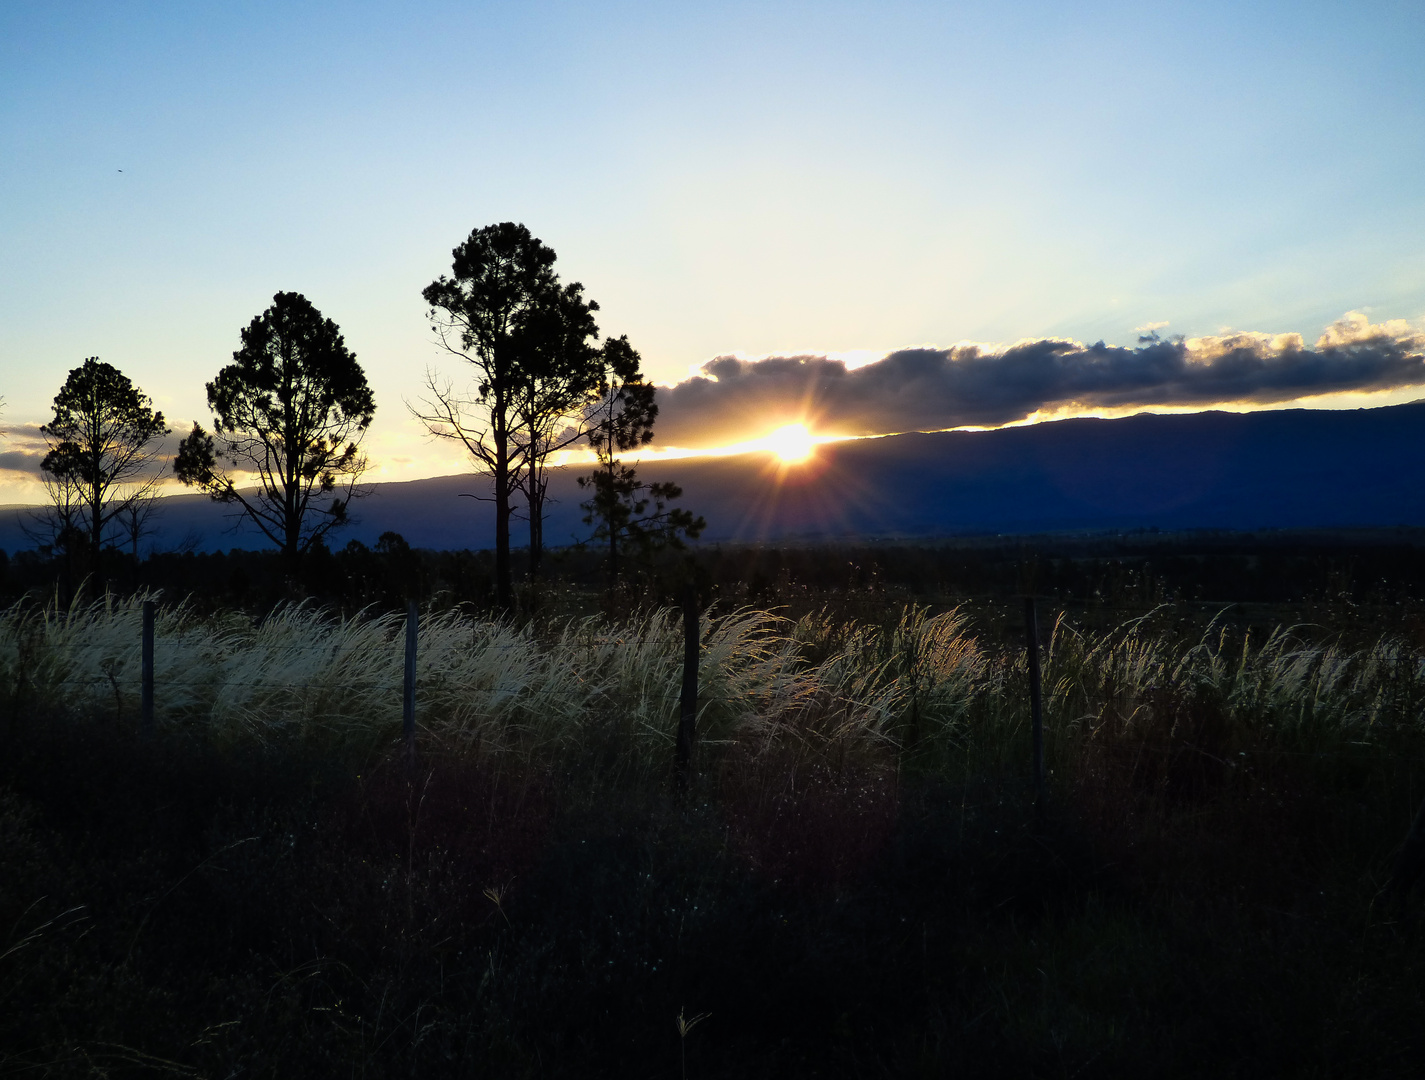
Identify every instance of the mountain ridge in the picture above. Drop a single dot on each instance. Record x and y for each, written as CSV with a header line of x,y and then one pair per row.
x,y
1280,469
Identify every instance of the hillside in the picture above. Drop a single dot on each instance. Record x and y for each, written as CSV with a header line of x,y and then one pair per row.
x,y
1268,470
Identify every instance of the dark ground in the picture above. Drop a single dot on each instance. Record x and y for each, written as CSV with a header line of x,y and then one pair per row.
x,y
167,909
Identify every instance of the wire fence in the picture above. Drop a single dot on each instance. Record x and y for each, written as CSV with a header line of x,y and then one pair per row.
x,y
1059,687
291,656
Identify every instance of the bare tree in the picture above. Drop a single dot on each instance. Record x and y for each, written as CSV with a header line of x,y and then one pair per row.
x,y
135,521
58,527
290,411
461,417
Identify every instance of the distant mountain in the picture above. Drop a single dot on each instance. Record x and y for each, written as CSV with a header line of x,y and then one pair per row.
x,y
1266,470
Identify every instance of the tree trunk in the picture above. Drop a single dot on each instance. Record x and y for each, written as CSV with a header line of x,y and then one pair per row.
x,y
613,560
612,510
534,492
504,585
536,522
291,542
68,579
96,537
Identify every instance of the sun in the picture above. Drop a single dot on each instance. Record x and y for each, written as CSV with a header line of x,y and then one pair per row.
x,y
791,443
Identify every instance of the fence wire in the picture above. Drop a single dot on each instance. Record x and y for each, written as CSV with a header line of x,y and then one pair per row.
x,y
894,663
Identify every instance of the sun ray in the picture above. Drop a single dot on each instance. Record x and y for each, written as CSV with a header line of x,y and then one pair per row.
x,y
791,443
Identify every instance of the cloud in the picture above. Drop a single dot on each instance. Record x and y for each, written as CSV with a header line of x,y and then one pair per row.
x,y
23,450
23,447
732,399
20,461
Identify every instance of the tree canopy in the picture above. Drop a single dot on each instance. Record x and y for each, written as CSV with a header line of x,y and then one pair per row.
x,y
289,414
104,444
560,367
625,512
528,339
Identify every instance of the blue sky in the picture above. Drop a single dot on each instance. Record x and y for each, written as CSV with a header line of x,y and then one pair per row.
x,y
760,178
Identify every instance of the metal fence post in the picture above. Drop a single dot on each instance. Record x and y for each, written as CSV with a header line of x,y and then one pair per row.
x,y
146,693
408,697
688,700
1036,700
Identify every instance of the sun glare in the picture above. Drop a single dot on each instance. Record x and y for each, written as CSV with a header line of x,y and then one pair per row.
x,y
791,443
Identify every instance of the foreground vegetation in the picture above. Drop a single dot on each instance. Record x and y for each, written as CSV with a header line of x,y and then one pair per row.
x,y
856,884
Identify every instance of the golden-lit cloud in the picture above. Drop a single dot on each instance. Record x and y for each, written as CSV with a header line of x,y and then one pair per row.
x,y
23,447
732,400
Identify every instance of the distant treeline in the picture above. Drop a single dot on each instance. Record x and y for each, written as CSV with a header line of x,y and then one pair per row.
x,y
1120,572
1135,569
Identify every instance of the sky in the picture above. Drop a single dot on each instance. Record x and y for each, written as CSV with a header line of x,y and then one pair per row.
x,y
829,185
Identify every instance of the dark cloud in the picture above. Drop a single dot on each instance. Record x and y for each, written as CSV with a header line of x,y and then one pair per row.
x,y
23,447
20,461
932,389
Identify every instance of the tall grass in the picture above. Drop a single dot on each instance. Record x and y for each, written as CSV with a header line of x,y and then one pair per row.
x,y
925,687
1282,691
485,687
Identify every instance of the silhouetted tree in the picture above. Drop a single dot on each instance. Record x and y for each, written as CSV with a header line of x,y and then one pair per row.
x,y
503,312
103,451
289,414
135,521
625,512
57,530
559,375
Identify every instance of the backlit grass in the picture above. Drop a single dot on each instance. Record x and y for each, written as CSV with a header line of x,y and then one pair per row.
x,y
855,885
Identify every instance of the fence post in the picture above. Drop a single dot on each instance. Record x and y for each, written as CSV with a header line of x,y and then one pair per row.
x,y
408,696
688,700
1036,700
146,693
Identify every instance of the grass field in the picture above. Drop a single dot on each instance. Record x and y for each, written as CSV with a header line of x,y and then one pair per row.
x,y
856,883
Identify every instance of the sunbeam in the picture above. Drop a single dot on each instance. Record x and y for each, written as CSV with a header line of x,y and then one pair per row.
x,y
791,443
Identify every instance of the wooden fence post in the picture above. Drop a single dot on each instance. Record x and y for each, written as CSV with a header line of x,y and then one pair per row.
x,y
688,700
408,696
146,673
1036,700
